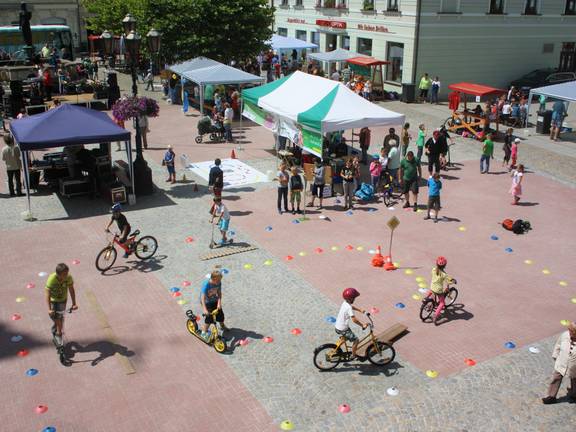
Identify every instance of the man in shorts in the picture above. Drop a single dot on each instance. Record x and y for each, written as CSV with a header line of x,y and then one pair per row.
x,y
211,300
410,173
318,184
57,287
558,114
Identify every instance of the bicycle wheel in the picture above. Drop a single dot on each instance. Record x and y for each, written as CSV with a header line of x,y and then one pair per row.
x,y
220,345
213,136
426,309
192,326
106,258
146,247
198,139
451,297
381,356
327,357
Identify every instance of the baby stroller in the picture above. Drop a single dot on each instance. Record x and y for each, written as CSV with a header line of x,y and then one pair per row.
x,y
205,126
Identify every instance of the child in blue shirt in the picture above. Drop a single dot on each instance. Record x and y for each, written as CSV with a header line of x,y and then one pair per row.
x,y
434,186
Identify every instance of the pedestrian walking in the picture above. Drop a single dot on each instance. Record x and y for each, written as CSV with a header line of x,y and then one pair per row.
x,y
318,184
283,178
435,89
11,157
487,154
410,174
516,188
364,138
406,137
420,141
558,114
507,147
347,175
564,356
168,162
434,187
424,87
216,178
228,117
144,129
433,151
149,80
296,187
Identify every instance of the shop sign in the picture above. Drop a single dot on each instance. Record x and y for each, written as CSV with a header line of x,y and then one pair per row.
x,y
374,28
340,25
312,142
296,20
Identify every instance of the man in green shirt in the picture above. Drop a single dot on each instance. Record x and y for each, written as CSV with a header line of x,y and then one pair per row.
x,y
487,154
425,84
410,173
57,287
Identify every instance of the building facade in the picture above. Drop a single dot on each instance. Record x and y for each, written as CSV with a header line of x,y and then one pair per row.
x,y
485,41
66,12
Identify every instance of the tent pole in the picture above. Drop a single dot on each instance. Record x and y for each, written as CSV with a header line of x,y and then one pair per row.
x,y
27,215
528,109
132,197
201,99
241,109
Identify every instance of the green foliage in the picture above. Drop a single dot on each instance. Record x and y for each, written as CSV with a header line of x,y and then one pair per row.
x,y
220,29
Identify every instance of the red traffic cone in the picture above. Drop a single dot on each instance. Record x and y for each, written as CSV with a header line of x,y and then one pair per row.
x,y
388,264
195,187
233,154
378,259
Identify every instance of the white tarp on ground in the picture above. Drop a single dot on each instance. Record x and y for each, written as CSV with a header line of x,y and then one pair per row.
x,y
236,172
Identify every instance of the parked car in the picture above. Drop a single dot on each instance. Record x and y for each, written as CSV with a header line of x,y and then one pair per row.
x,y
542,77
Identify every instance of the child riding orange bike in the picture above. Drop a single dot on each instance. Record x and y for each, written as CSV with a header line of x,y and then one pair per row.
x,y
346,314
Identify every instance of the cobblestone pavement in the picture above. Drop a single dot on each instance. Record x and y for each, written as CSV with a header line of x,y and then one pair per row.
x,y
268,300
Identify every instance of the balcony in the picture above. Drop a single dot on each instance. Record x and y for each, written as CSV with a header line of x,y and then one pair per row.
x,y
331,4
284,4
368,7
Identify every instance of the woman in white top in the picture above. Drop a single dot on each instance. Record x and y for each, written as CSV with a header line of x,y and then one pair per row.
x,y
516,188
367,90
143,125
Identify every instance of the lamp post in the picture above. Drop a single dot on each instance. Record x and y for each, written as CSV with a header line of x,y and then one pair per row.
x,y
24,21
153,37
108,40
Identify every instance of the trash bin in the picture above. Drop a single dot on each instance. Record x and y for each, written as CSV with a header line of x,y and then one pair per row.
x,y
408,92
544,121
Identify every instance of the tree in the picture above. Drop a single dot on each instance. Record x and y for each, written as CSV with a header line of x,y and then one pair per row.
x,y
219,29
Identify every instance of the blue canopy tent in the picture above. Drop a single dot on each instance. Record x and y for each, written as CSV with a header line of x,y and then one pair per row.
x,y
64,126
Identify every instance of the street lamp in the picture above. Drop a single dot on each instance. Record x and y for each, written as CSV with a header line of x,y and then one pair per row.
x,y
153,37
129,24
108,41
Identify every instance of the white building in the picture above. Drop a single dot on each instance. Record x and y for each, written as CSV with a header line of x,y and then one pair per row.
x,y
484,41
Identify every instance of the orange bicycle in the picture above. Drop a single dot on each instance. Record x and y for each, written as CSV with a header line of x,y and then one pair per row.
x,y
144,248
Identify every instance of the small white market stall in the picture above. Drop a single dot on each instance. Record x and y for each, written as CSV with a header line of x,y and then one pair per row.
x,y
283,43
339,55
303,107
564,92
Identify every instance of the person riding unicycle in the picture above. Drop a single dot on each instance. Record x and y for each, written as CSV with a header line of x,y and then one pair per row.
x,y
346,314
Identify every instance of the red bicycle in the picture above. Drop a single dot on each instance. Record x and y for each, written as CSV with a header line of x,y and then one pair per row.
x,y
144,248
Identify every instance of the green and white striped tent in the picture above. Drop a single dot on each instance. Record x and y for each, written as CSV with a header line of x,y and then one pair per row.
x,y
317,103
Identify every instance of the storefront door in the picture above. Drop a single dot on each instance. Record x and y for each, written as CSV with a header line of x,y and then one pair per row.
x,y
331,42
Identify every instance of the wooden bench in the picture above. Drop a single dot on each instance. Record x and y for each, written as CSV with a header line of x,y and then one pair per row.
x,y
390,335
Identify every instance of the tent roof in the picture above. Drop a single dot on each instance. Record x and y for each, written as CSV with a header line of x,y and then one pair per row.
x,y
283,42
319,104
475,89
220,74
337,55
66,125
366,61
564,91
195,63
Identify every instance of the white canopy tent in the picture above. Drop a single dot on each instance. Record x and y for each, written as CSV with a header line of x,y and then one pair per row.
x,y
565,91
278,43
338,55
195,63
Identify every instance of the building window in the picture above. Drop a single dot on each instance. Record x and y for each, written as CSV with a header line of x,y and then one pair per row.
x,y
345,42
284,3
392,6
281,31
364,46
395,55
368,5
570,7
450,6
496,7
299,3
315,39
301,34
548,48
531,7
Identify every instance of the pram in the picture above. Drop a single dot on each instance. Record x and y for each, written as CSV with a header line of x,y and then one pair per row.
x,y
205,126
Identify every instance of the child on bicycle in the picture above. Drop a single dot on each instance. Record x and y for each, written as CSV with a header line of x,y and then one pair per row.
x,y
346,314
57,287
438,285
123,225
211,300
220,211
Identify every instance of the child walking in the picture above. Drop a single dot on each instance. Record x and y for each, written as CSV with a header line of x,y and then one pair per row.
x,y
220,211
507,147
296,188
516,188
434,186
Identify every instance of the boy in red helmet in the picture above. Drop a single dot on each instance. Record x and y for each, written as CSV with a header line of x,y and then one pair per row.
x,y
438,285
346,314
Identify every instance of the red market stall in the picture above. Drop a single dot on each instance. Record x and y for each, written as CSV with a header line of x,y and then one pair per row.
x,y
467,120
370,67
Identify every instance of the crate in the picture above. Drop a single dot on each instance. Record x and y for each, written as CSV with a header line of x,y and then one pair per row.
x,y
70,188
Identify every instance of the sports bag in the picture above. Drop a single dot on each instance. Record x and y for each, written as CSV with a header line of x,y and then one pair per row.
x,y
507,224
520,227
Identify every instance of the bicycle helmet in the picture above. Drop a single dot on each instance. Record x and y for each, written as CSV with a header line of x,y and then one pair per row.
x,y
117,207
350,294
441,261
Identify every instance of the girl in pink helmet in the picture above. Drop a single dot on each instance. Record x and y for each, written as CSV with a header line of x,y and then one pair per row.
x,y
438,285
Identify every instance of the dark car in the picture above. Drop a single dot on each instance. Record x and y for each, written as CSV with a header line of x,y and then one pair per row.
x,y
542,77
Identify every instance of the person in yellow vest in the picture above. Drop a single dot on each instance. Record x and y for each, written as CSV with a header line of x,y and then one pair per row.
x,y
424,87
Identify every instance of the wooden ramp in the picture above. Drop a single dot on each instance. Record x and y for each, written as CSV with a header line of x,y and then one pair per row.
x,y
230,249
389,335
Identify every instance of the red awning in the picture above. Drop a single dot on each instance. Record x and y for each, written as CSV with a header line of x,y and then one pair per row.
x,y
366,61
475,89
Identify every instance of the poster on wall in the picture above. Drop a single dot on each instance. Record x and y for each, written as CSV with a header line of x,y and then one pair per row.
x,y
312,142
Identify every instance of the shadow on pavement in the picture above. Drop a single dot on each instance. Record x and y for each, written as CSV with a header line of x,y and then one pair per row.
x,y
455,312
240,213
234,335
368,369
28,342
527,204
104,348
150,265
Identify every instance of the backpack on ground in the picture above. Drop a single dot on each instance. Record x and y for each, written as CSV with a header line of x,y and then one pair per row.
x,y
507,224
520,226
365,193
